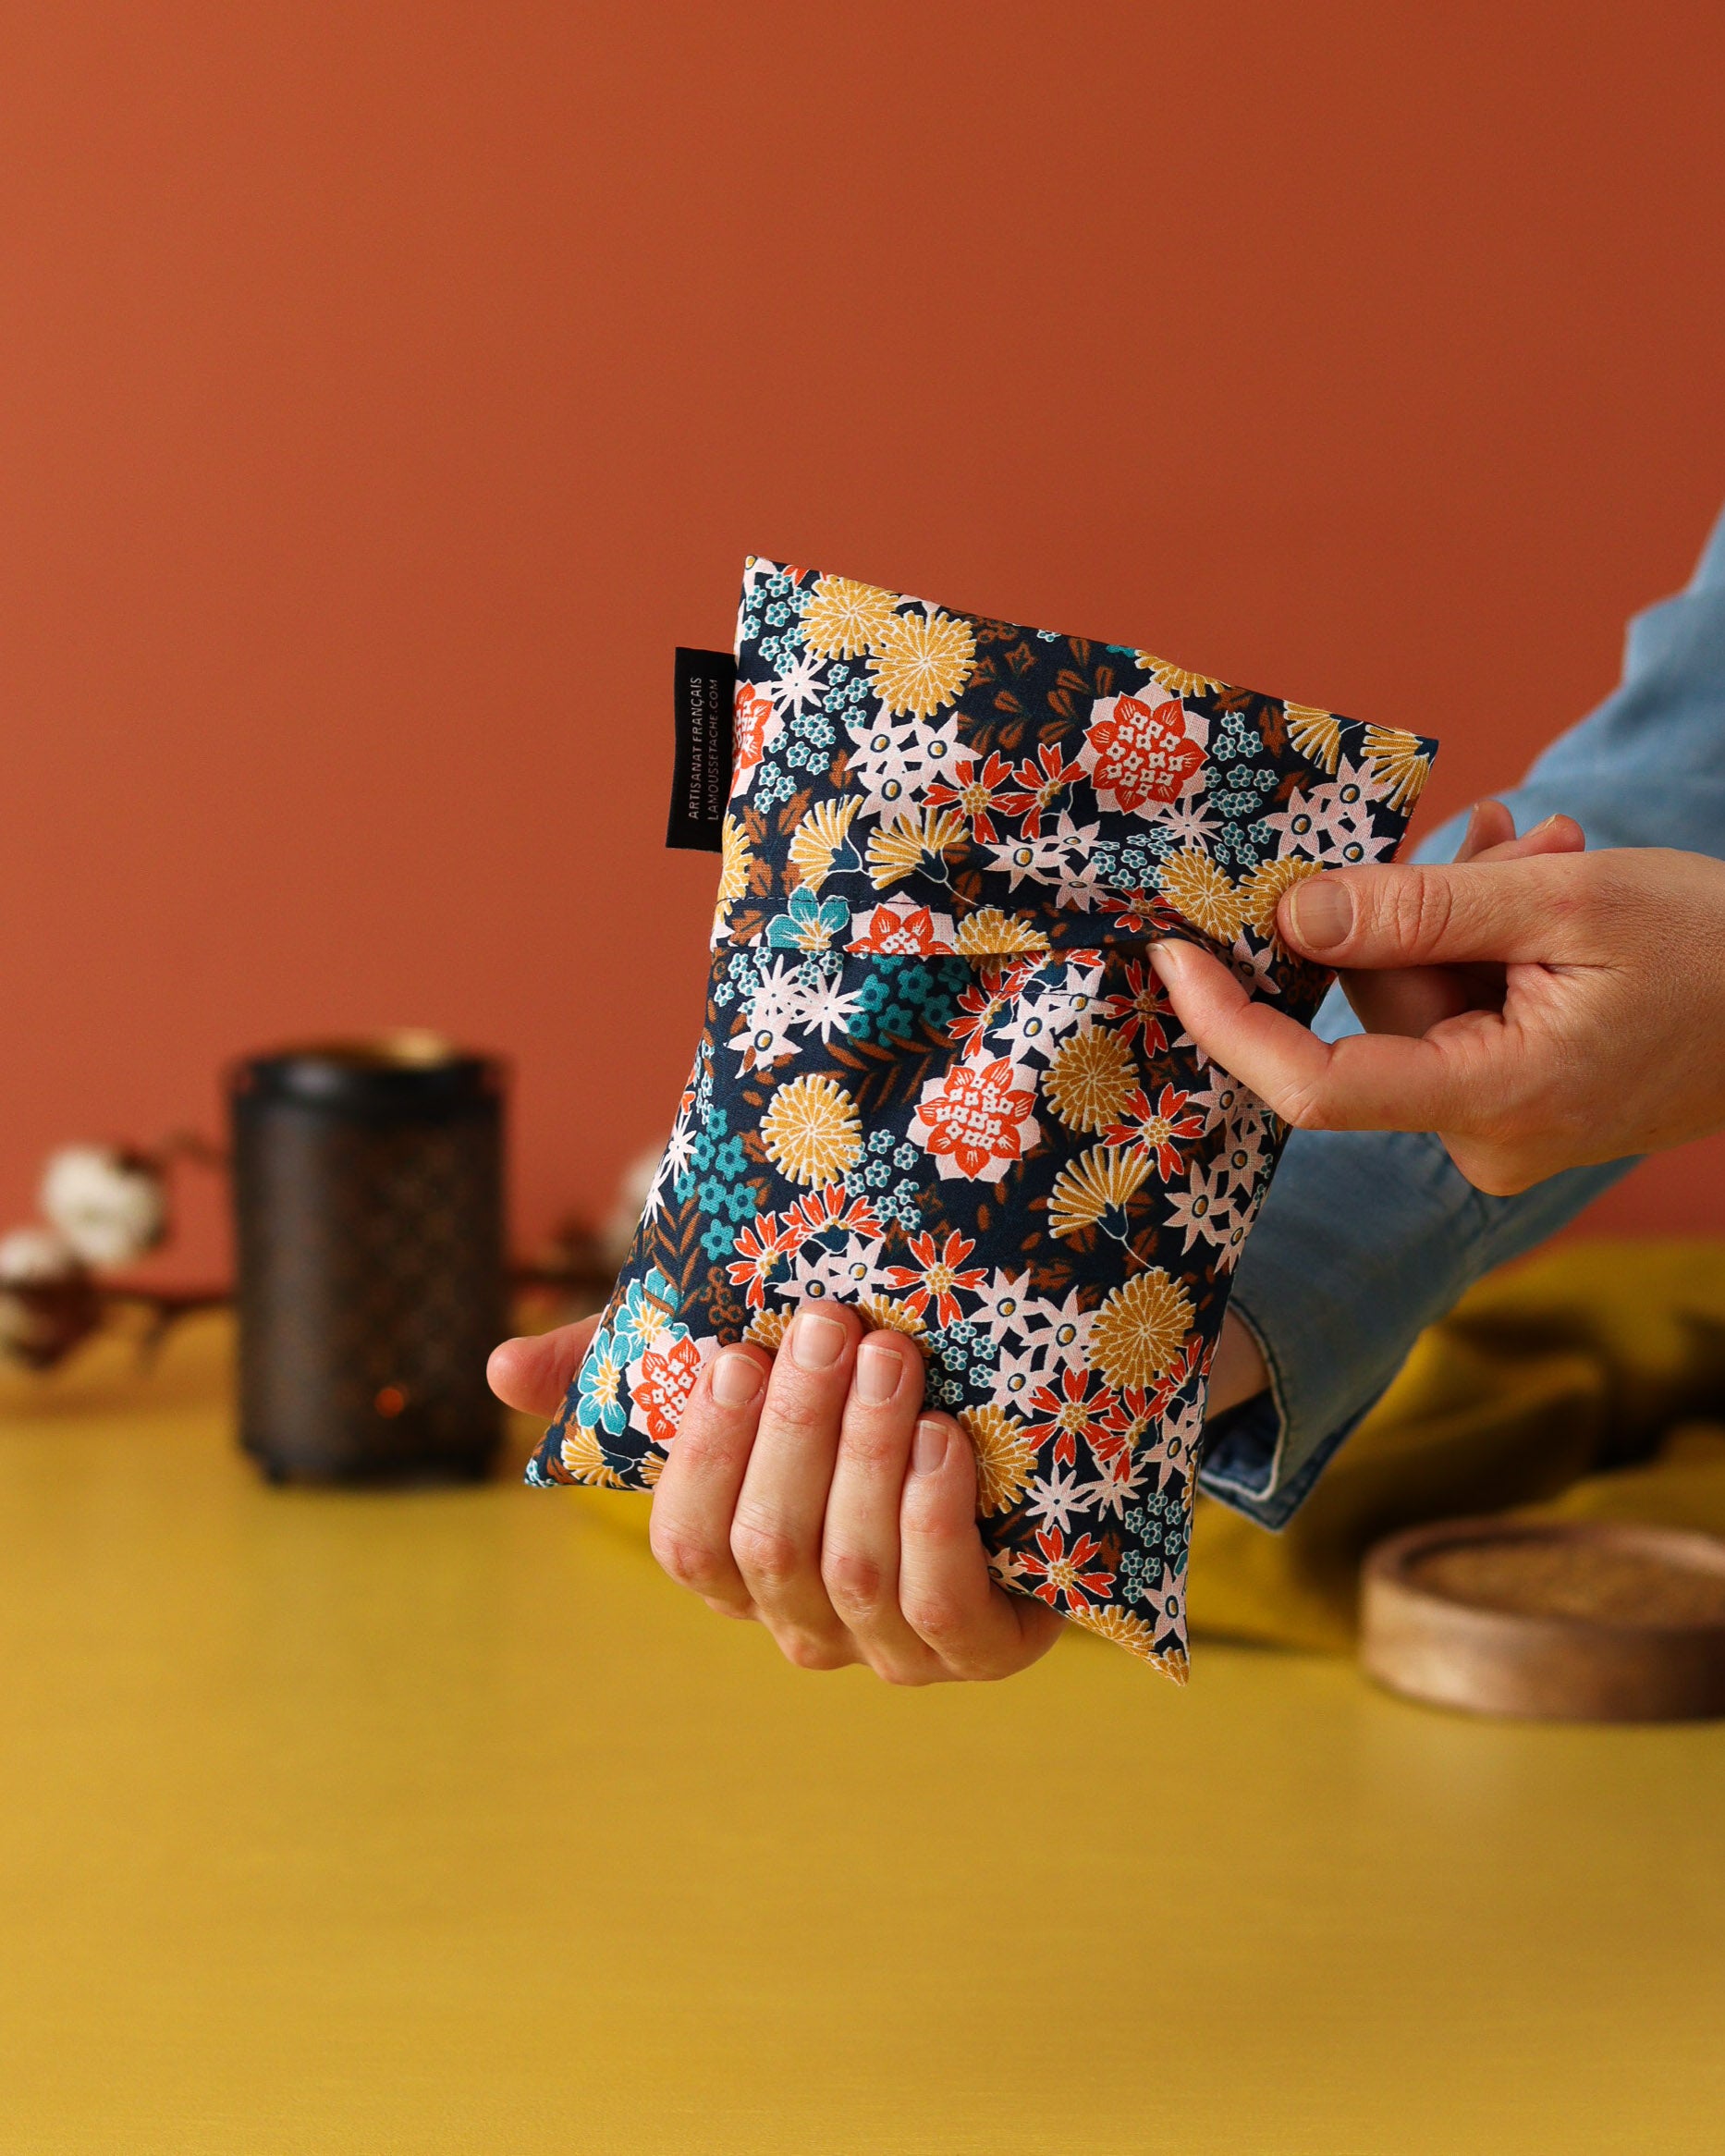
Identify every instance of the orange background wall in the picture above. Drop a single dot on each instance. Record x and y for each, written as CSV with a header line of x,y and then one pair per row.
x,y
385,389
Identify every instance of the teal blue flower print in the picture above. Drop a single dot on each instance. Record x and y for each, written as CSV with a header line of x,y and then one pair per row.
x,y
599,1402
1164,1528
808,923
902,992
641,1314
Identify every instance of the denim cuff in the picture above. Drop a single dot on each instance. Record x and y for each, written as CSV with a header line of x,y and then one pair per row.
x,y
1366,1238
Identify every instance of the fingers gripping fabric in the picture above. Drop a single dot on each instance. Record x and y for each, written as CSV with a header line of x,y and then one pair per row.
x,y
937,1079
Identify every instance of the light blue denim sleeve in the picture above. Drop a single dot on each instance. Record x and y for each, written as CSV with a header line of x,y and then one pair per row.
x,y
1366,1237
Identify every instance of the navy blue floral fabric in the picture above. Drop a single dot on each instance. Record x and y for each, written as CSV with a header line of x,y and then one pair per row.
x,y
937,1077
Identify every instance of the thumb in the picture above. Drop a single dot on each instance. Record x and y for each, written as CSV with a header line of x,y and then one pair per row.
x,y
534,1372
1507,912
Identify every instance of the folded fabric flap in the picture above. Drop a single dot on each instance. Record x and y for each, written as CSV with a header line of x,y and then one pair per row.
x,y
997,790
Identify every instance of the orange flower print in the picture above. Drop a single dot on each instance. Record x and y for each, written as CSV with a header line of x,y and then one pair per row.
x,y
759,1247
823,1210
935,1276
1137,754
1039,786
1161,1131
1056,1574
1193,1361
752,715
976,793
976,1119
979,1007
667,1378
1083,1407
985,1003
907,931
1142,913
1113,1449
1144,1007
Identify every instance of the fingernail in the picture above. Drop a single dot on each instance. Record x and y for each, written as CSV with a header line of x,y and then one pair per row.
x,y
736,1378
1322,911
929,1448
879,1371
1168,959
816,1342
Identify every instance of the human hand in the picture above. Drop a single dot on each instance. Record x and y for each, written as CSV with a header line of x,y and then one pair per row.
x,y
1596,1030
1238,1370
808,1493
1411,1000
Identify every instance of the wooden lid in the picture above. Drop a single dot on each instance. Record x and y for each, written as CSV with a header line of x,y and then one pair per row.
x,y
1583,1620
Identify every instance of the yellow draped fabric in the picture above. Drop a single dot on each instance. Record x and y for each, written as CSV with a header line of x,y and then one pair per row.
x,y
1587,1383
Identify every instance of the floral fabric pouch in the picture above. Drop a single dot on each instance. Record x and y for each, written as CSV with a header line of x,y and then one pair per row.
x,y
936,1078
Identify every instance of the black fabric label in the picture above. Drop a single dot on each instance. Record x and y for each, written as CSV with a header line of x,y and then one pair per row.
x,y
706,688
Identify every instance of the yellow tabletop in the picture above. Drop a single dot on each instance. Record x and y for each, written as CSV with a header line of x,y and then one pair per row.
x,y
439,1821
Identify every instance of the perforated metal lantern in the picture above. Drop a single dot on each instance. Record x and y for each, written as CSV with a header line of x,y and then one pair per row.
x,y
368,1187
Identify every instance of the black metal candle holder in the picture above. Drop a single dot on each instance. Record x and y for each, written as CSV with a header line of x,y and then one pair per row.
x,y
368,1190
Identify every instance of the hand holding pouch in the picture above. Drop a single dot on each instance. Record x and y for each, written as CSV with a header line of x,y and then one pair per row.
x,y
937,1079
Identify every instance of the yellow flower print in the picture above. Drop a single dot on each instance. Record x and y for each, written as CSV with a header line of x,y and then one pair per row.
x,y
812,1130
1316,734
1177,681
1140,1328
844,619
735,860
922,662
989,932
895,849
1263,889
1098,1183
1089,1079
1194,886
585,1461
818,837
1397,757
889,1314
1136,1634
768,1330
1005,1457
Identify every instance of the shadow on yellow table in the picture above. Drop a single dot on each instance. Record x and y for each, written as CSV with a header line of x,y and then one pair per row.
x,y
439,1822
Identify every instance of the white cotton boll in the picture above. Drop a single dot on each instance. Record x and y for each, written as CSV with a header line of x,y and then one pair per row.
x,y
36,1258
48,1300
109,1206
